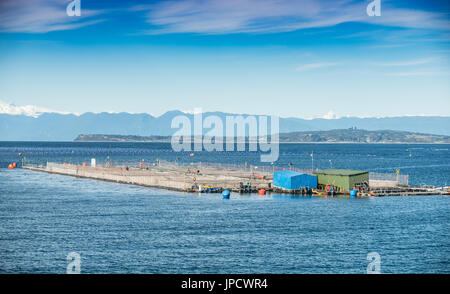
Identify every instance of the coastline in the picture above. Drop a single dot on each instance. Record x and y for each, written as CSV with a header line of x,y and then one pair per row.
x,y
283,142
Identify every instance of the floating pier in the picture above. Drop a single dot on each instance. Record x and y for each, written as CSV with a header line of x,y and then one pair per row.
x,y
166,177
209,179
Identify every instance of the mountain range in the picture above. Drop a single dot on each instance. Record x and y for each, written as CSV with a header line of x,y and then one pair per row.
x,y
66,127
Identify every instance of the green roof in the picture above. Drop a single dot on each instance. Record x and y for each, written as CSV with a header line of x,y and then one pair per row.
x,y
340,172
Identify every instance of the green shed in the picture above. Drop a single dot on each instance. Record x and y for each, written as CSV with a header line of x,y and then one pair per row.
x,y
342,179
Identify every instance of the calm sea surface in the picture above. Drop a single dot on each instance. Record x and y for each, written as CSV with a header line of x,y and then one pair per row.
x,y
120,228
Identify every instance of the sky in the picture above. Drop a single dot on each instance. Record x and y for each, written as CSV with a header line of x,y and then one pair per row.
x,y
290,58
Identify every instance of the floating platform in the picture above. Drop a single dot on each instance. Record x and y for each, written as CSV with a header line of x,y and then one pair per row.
x,y
180,178
409,191
167,177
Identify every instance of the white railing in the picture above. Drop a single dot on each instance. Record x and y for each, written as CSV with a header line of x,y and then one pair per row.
x,y
400,179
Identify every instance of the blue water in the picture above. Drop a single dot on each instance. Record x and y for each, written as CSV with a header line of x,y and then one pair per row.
x,y
120,228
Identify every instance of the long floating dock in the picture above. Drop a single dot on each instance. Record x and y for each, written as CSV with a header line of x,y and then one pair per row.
x,y
171,178
181,178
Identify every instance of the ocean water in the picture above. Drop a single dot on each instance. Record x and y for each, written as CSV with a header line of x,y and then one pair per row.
x,y
119,228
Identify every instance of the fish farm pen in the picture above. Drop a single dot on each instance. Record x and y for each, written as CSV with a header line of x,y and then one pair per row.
x,y
215,178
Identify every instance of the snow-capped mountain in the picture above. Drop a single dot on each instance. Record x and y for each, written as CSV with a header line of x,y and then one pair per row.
x,y
27,110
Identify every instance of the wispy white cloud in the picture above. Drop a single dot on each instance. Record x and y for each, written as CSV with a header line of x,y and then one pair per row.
x,y
219,16
311,66
405,62
401,37
41,16
416,73
257,16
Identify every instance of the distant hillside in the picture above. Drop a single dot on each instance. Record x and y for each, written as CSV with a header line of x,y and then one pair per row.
x,y
363,136
333,136
65,127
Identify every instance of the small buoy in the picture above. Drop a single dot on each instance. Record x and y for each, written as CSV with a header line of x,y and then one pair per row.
x,y
14,164
10,166
84,163
261,192
191,155
226,194
20,153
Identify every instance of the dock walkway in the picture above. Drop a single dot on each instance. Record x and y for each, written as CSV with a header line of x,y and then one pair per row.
x,y
172,178
182,178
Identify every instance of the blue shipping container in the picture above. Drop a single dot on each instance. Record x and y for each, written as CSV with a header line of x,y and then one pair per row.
x,y
293,180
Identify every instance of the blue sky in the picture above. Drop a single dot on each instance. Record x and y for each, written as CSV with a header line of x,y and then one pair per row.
x,y
284,57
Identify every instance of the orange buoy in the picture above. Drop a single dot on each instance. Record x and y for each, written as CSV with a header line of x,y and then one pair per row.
x,y
84,163
20,153
191,155
261,192
64,164
10,166
14,164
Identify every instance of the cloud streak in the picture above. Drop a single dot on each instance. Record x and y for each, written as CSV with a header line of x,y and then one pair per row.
x,y
218,16
270,16
312,66
405,63
39,16
416,73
